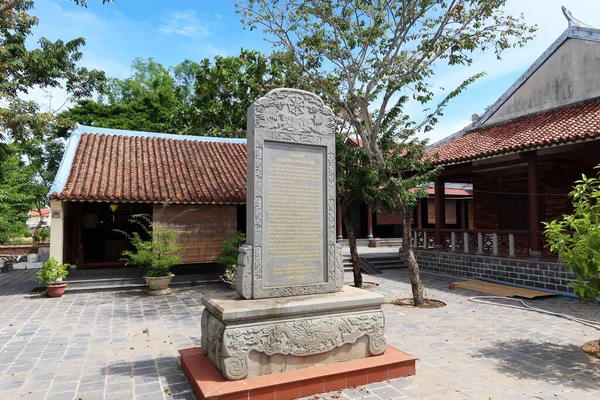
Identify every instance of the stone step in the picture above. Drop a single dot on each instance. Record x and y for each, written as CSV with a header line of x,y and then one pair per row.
x,y
115,284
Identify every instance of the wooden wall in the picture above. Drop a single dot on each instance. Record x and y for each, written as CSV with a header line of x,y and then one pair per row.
x,y
208,223
450,206
501,198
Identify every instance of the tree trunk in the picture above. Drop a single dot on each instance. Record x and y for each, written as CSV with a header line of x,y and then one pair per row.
x,y
353,250
409,255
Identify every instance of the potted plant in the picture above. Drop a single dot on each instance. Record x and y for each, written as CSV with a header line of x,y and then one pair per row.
x,y
52,274
229,255
154,249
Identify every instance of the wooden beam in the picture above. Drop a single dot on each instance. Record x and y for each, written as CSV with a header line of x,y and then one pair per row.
x,y
534,216
440,208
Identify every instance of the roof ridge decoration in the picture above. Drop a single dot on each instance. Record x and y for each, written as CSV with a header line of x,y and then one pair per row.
x,y
574,21
575,30
123,132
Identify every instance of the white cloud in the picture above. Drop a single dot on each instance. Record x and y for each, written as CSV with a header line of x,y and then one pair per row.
x,y
185,23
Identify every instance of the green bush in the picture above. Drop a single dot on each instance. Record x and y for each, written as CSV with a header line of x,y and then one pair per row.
x,y
159,253
52,272
576,237
229,254
43,234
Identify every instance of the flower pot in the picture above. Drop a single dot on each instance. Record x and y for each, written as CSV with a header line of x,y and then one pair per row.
x,y
230,285
56,290
158,285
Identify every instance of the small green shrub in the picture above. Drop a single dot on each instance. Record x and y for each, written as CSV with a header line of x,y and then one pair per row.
x,y
159,253
52,272
44,234
229,255
576,237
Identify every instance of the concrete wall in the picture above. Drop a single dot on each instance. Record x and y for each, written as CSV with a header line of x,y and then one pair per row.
x,y
570,75
536,274
57,231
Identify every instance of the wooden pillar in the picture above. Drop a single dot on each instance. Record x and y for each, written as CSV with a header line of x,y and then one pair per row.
x,y
440,209
534,215
463,214
419,214
339,221
369,223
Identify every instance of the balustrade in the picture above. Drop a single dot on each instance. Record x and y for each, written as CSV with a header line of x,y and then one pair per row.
x,y
501,243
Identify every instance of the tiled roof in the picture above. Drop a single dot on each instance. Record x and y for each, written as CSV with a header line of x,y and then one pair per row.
x,y
555,127
452,192
35,213
121,167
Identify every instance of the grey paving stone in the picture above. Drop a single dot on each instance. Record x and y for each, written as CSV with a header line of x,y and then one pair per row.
x,y
61,387
147,388
480,350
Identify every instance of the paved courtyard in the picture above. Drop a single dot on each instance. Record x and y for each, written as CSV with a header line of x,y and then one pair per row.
x,y
123,345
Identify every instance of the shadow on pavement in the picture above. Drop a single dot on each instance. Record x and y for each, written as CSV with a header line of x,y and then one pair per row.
x,y
562,364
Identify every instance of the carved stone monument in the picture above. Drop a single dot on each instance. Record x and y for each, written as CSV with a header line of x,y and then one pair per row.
x,y
294,309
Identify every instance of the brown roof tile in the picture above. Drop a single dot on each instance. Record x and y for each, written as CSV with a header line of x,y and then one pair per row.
x,y
154,169
559,126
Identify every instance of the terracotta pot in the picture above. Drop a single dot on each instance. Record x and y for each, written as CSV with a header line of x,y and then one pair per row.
x,y
56,290
158,285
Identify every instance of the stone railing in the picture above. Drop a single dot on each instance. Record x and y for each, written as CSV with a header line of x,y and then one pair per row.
x,y
492,243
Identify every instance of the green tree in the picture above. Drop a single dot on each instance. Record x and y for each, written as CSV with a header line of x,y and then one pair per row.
x,y
146,101
576,237
226,87
26,133
8,5
15,197
383,53
356,182
209,98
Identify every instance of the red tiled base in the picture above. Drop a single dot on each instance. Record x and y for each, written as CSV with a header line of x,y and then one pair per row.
x,y
207,382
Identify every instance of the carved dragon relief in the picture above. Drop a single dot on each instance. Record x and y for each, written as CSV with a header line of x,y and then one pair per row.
x,y
293,111
300,337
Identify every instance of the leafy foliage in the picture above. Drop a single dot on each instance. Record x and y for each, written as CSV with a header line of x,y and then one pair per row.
x,y
576,237
371,58
30,161
209,98
52,272
16,198
229,254
155,247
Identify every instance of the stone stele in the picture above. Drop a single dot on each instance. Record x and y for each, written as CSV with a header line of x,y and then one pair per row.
x,y
294,309
291,205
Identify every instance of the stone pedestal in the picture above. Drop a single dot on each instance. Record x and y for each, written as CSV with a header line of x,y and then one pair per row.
x,y
246,338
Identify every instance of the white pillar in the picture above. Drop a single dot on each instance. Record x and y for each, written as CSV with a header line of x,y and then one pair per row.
x,y
511,244
453,241
57,230
480,242
425,240
466,242
495,242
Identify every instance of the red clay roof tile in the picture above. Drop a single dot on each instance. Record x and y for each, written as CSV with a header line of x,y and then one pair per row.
x,y
559,126
151,169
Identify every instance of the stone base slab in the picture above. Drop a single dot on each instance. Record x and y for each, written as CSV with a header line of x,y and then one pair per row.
x,y
248,338
207,382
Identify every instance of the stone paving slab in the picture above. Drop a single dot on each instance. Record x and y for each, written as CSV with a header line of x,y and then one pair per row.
x,y
123,345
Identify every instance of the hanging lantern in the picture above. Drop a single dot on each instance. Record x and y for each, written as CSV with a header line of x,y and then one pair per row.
x,y
114,207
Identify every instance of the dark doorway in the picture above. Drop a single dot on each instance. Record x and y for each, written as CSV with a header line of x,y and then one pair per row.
x,y
101,243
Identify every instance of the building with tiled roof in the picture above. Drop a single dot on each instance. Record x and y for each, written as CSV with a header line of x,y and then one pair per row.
x,y
523,155
108,175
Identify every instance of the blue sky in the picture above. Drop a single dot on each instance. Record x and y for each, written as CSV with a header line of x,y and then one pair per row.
x,y
171,31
